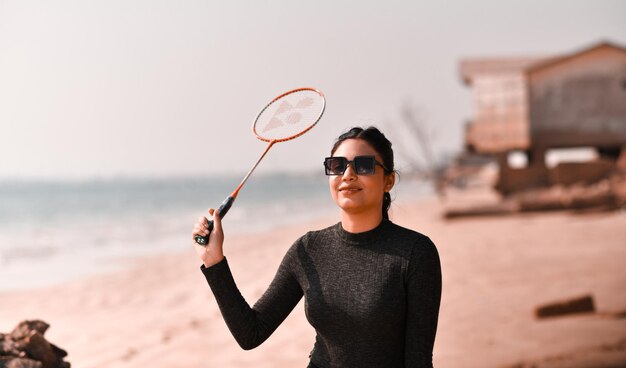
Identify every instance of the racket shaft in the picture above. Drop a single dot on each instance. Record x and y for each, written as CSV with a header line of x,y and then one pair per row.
x,y
221,211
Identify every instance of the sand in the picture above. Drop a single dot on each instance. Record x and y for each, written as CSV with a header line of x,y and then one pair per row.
x,y
496,270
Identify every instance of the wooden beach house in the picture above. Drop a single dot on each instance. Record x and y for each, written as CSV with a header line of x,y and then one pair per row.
x,y
526,107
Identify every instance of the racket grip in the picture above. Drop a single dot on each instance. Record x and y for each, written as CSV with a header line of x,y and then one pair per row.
x,y
221,211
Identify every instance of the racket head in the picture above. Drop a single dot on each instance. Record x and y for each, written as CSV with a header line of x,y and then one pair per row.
x,y
289,115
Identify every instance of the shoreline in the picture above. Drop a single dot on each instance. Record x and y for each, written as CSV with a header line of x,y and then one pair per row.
x,y
104,237
496,270
49,266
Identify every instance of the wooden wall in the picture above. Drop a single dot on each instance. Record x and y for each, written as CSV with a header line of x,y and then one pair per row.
x,y
580,100
501,113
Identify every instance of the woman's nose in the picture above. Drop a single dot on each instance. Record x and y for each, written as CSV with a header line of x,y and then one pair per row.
x,y
349,174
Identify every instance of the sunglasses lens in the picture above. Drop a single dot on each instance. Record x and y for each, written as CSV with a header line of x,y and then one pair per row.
x,y
364,165
335,165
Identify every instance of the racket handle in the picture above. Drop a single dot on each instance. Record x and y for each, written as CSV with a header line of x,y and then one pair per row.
x,y
221,211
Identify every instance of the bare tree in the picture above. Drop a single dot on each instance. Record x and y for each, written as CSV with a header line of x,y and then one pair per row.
x,y
415,124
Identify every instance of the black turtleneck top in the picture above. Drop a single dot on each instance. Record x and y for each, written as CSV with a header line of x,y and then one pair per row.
x,y
372,297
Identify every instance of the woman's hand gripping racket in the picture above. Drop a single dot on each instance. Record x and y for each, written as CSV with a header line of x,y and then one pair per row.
x,y
286,117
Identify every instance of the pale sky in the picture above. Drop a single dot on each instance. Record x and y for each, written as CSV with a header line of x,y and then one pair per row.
x,y
164,88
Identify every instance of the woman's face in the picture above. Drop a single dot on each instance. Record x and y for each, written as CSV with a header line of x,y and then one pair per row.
x,y
357,194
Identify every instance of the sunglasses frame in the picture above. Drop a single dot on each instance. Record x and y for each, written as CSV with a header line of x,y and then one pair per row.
x,y
352,162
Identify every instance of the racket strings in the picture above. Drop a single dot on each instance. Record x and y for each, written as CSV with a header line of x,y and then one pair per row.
x,y
290,115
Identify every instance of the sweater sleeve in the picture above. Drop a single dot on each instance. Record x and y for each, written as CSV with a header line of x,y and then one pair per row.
x,y
423,300
252,326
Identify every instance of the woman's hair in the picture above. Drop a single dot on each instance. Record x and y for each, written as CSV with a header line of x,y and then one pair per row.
x,y
381,144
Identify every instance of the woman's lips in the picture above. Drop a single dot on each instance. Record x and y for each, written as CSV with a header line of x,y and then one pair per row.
x,y
349,190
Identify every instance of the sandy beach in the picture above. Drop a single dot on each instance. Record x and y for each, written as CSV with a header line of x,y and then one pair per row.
x,y
496,270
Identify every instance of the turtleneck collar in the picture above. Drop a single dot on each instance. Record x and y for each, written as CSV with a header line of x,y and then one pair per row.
x,y
363,238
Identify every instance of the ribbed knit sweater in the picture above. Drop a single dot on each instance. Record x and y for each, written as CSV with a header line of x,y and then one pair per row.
x,y
372,297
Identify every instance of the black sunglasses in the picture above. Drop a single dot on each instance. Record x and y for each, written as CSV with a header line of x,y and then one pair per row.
x,y
362,165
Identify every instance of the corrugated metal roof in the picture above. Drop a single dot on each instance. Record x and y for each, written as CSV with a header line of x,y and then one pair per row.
x,y
471,67
594,47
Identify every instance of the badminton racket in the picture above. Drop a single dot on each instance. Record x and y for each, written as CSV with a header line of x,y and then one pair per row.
x,y
286,117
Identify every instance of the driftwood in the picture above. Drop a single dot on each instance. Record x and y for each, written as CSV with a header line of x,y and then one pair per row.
x,y
606,195
25,347
577,197
496,209
582,304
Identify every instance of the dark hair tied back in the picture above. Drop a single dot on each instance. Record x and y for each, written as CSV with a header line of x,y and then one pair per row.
x,y
381,144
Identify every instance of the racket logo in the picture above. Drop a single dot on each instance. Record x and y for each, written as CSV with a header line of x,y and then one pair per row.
x,y
292,118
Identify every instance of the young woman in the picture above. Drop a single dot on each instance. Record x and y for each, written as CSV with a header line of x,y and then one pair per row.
x,y
372,288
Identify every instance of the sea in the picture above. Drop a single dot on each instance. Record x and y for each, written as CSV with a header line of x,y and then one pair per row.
x,y
55,231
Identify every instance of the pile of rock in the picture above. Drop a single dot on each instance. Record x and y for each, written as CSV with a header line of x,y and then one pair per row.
x,y
25,347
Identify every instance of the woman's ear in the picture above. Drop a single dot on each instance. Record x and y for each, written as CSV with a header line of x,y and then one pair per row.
x,y
390,180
